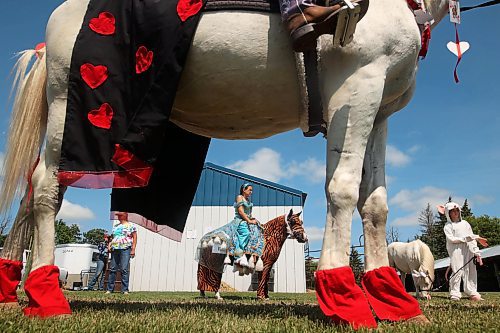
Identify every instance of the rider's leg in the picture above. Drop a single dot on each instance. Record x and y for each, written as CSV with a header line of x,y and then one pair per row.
x,y
306,20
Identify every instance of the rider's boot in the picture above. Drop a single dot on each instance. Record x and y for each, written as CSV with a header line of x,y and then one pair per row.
x,y
306,20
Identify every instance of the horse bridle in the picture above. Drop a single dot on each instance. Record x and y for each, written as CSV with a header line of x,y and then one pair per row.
x,y
290,232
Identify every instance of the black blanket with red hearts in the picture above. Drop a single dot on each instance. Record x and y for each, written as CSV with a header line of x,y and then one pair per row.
x,y
125,67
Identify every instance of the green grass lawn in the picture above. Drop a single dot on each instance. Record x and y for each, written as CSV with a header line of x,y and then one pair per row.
x,y
148,312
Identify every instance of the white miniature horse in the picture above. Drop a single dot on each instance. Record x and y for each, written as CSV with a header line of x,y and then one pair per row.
x,y
240,82
413,258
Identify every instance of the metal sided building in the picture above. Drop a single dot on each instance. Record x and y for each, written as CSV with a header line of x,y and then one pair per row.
x,y
162,264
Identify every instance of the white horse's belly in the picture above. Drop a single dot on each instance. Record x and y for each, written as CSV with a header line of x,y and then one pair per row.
x,y
240,80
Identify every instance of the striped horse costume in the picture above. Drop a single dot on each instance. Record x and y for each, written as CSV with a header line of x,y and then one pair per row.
x,y
276,231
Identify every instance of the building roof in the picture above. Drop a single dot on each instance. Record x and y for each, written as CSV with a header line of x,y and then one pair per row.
x,y
485,253
219,186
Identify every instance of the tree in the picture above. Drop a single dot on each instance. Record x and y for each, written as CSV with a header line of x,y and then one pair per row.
x,y
67,234
94,236
432,232
356,264
392,235
466,211
487,227
3,230
311,265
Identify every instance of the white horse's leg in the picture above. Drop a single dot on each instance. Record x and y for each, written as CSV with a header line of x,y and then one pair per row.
x,y
218,296
11,259
42,286
383,287
352,113
372,204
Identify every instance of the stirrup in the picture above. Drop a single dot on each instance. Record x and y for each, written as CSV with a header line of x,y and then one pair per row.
x,y
345,20
346,24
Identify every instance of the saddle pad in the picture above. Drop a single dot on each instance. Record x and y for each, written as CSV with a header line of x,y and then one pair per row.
x,y
270,6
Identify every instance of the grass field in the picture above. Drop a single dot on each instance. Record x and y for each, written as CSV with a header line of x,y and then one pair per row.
x,y
148,312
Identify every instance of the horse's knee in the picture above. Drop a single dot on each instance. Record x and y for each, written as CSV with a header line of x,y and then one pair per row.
x,y
375,210
342,191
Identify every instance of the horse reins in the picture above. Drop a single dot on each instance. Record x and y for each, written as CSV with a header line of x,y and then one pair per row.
x,y
452,275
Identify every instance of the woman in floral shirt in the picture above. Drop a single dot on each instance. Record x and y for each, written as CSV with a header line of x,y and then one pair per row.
x,y
122,248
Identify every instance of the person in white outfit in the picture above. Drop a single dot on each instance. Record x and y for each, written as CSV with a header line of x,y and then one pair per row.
x,y
461,244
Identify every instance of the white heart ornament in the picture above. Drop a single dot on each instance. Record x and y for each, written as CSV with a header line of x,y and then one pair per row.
x,y
452,46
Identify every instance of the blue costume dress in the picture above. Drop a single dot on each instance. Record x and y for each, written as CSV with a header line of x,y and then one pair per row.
x,y
242,235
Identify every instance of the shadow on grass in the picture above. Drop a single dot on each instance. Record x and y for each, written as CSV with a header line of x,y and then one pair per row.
x,y
270,310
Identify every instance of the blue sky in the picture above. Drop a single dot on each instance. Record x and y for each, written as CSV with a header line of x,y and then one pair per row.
x,y
445,142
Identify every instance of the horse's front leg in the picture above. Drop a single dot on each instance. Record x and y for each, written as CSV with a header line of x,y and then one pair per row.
x,y
11,259
382,286
352,109
263,288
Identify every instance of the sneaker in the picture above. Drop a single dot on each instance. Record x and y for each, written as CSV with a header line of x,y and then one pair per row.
x,y
125,293
108,292
455,298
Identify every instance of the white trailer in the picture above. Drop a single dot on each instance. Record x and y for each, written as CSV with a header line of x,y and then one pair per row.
x,y
78,260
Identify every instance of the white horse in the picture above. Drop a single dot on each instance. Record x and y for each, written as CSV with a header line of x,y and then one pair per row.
x,y
413,258
362,85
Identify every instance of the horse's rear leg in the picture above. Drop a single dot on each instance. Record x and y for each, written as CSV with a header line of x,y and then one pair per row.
x,y
11,259
383,287
42,285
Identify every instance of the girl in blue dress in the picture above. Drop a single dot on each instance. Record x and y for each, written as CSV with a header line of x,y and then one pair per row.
x,y
243,216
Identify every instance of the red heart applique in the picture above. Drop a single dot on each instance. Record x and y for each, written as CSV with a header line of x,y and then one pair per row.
x,y
94,76
188,8
143,59
104,24
101,117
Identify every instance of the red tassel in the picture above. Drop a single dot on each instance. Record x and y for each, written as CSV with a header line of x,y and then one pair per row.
x,y
459,55
10,276
341,299
426,38
45,296
387,296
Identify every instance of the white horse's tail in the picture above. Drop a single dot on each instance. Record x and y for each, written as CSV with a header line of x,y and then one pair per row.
x,y
28,124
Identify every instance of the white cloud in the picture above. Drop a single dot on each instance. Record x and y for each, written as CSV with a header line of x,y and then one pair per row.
x,y
480,199
311,169
414,149
264,163
267,164
415,201
396,157
314,233
71,211
406,221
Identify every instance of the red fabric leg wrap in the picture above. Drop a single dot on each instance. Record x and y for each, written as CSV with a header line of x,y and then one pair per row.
x,y
341,299
10,276
387,296
45,297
